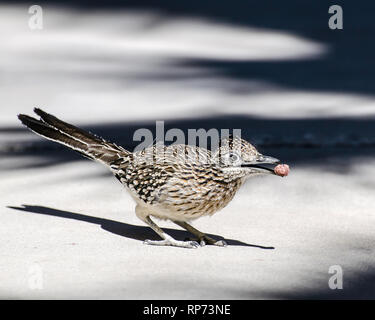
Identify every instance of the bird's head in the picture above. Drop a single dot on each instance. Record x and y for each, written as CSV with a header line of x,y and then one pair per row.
x,y
239,157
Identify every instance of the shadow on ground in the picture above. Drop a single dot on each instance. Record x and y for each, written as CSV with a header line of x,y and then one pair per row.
x,y
124,229
357,285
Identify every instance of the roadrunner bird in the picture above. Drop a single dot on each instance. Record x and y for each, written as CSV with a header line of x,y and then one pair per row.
x,y
167,182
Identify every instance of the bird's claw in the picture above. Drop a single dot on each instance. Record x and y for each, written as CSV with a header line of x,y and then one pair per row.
x,y
205,240
221,243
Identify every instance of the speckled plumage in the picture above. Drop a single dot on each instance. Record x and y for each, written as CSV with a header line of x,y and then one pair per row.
x,y
177,182
174,187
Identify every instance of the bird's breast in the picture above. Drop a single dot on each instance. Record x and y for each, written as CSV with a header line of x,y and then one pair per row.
x,y
189,201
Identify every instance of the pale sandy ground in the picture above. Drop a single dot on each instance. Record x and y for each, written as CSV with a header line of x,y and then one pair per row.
x,y
71,223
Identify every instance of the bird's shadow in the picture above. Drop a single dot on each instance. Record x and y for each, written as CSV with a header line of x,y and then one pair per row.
x,y
124,229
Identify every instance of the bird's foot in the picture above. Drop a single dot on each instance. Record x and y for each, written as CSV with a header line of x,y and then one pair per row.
x,y
204,240
219,243
174,243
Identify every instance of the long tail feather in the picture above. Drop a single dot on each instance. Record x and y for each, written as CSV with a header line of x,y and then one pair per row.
x,y
67,128
75,138
53,134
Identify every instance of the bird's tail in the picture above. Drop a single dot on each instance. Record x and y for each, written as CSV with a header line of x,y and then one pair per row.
x,y
89,145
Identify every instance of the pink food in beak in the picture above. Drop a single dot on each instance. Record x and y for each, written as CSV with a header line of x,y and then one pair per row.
x,y
281,170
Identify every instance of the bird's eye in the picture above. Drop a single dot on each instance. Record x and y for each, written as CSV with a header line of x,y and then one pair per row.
x,y
232,159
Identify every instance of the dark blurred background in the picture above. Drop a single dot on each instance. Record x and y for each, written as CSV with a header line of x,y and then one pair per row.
x,y
273,69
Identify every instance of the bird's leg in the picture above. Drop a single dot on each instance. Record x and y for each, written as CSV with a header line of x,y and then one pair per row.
x,y
202,237
167,239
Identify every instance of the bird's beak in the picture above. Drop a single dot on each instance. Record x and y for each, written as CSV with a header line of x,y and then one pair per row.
x,y
266,159
259,164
